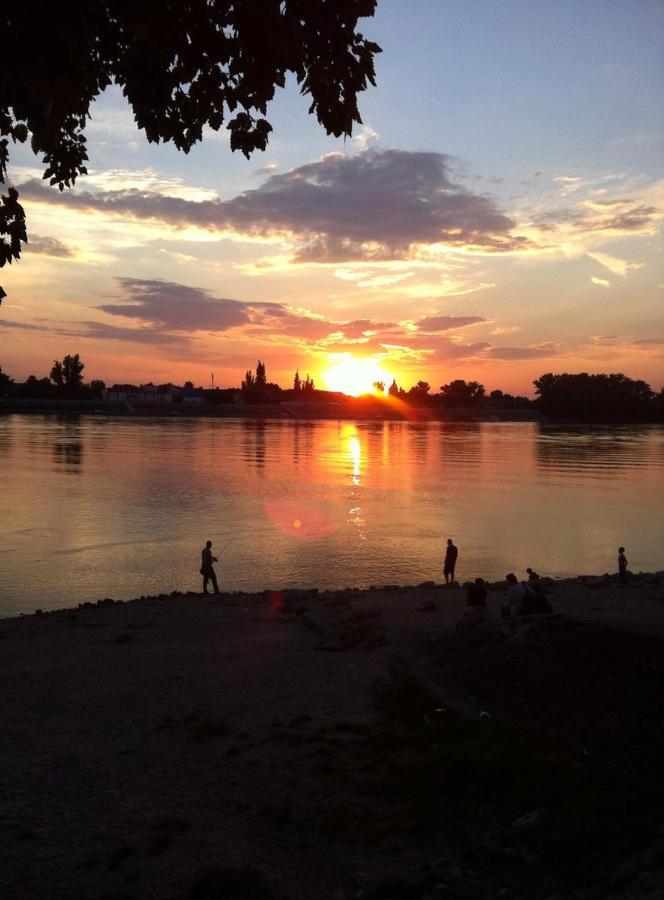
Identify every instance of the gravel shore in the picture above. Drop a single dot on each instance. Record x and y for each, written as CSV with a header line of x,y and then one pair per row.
x,y
347,744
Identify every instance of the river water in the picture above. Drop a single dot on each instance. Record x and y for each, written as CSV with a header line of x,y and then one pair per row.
x,y
96,507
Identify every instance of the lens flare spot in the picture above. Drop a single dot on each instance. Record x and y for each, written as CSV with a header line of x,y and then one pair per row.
x,y
303,521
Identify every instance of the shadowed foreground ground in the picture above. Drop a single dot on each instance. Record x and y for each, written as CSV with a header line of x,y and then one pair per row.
x,y
335,745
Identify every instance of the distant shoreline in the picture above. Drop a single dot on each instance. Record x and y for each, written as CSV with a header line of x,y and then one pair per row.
x,y
283,412
286,412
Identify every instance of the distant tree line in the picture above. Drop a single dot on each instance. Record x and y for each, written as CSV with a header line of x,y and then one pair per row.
x,y
257,389
583,397
457,394
612,398
303,389
64,381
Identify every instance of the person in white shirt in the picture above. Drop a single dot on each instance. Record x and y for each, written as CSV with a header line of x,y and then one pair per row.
x,y
517,591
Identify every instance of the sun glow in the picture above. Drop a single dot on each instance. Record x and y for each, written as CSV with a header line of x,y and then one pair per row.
x,y
356,376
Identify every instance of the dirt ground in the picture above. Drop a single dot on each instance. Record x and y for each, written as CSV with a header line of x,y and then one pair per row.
x,y
337,745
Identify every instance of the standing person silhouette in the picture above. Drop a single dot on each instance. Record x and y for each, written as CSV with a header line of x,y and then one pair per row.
x,y
451,554
207,569
622,563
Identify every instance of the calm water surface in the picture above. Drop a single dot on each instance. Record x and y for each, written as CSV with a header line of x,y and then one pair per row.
x,y
93,507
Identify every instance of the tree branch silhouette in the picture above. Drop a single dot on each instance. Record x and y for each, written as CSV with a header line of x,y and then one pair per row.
x,y
181,65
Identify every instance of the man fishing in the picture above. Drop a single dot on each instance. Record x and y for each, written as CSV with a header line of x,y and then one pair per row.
x,y
207,568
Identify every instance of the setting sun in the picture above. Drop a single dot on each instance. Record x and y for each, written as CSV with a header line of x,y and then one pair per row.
x,y
356,376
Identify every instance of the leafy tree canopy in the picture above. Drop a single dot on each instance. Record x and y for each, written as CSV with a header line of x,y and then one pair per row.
x,y
585,396
68,374
5,382
462,393
182,64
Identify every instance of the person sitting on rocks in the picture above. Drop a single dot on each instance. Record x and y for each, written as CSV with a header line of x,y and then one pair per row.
x,y
516,593
476,594
535,602
472,626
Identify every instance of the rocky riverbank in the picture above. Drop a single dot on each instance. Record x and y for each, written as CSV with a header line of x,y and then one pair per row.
x,y
348,744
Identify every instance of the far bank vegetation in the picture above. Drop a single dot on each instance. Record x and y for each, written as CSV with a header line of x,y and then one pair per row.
x,y
563,396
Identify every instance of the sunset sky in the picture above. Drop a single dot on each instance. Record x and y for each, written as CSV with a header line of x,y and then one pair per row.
x,y
497,216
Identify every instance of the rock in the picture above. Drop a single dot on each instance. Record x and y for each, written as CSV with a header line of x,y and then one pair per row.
x,y
647,881
159,843
117,895
427,606
299,719
217,883
526,821
447,868
426,585
209,729
117,857
124,638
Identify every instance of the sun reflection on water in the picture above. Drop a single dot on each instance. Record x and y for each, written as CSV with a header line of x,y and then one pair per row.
x,y
355,450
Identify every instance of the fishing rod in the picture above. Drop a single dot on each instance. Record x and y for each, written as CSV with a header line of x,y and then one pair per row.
x,y
226,545
241,534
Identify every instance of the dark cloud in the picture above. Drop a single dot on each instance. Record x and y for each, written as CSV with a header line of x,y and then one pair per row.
x,y
649,342
445,323
105,332
447,349
512,353
23,326
170,307
168,315
48,246
605,340
621,202
102,331
584,220
376,205
292,324
631,220
177,307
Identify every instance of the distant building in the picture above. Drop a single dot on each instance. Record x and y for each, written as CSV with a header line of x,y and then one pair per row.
x,y
146,393
192,395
